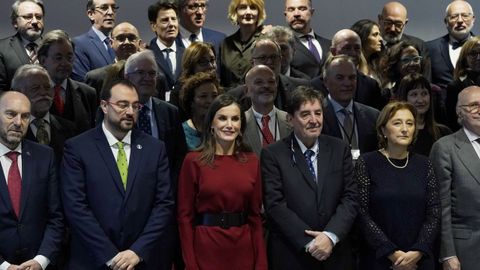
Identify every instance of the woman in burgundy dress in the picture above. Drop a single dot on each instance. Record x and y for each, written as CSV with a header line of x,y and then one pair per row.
x,y
220,197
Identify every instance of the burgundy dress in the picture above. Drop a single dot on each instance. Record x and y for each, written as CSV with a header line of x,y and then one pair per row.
x,y
229,186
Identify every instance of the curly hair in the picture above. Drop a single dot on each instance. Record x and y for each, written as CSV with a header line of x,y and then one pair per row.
x,y
190,85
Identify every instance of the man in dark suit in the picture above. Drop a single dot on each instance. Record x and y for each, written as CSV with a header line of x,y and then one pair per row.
x,y
31,220
93,48
266,124
358,130
45,128
119,201
367,92
456,162
21,48
444,51
392,21
72,100
310,197
163,17
267,52
192,20
310,49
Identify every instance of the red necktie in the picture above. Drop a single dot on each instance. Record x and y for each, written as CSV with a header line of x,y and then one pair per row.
x,y
14,182
58,100
267,135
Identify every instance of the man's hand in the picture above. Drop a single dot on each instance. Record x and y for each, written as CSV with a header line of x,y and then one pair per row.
x,y
13,267
321,247
30,265
125,260
451,264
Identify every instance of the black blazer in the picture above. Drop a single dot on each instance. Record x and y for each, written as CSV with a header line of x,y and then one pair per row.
x,y
12,56
304,60
163,65
294,202
442,68
365,120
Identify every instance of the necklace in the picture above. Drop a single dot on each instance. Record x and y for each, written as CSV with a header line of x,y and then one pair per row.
x,y
389,161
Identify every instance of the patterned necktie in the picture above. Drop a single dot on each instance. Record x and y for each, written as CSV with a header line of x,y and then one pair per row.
x,y
32,52
58,100
122,164
308,157
312,48
350,136
110,50
192,38
14,182
169,61
42,134
144,123
267,134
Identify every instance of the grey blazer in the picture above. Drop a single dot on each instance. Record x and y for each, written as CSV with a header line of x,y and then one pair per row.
x,y
252,136
457,168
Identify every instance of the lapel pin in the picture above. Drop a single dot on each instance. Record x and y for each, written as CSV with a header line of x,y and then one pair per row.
x,y
28,153
139,146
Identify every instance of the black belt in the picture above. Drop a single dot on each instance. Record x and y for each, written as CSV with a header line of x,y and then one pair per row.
x,y
224,220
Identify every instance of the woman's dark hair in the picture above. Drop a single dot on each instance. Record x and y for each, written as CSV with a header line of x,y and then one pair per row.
x,y
387,113
190,85
417,81
363,28
208,145
389,62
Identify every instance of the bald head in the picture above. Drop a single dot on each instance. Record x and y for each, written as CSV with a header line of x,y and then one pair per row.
x,y
125,40
267,52
261,88
14,118
468,108
347,42
392,21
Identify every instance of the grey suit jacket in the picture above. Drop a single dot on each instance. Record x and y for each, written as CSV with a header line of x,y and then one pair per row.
x,y
457,168
252,136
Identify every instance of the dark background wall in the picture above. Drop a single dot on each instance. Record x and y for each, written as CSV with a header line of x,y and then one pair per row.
x,y
426,16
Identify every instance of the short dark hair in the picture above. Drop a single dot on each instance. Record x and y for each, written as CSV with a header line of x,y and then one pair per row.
x,y
302,94
387,113
54,36
153,9
106,93
14,14
187,93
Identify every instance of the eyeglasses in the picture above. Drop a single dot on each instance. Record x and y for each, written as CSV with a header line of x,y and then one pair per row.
x,y
472,108
123,105
398,24
274,57
143,73
29,17
473,54
206,62
407,60
124,37
195,7
104,8
455,17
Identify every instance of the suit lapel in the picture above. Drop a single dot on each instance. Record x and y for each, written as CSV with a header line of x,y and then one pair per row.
x,y
467,155
331,122
17,47
302,164
4,193
107,156
178,55
323,162
136,158
445,52
283,126
95,40
251,131
28,170
161,62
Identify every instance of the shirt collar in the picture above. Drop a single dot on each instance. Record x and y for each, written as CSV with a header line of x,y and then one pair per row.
x,y
337,107
26,42
470,135
148,104
259,115
162,46
46,117
303,148
112,140
300,35
4,149
184,33
99,33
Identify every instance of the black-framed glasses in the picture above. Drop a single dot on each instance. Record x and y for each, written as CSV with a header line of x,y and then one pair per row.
x,y
124,105
398,24
414,59
473,54
104,8
29,17
143,73
264,58
195,7
472,108
124,37
455,17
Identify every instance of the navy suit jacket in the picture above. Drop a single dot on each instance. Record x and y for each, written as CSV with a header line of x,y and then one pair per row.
x,y
90,53
210,36
104,217
163,65
39,229
304,60
12,56
365,120
442,68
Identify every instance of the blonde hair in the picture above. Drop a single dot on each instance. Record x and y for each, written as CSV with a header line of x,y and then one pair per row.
x,y
259,4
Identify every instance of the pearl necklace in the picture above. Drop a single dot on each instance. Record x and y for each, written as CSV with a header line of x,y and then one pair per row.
x,y
389,161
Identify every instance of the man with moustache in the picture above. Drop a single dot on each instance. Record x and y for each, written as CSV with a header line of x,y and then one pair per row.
x,y
72,100
163,17
31,219
456,162
45,128
393,21
266,124
310,197
118,202
21,48
192,20
93,49
310,48
444,51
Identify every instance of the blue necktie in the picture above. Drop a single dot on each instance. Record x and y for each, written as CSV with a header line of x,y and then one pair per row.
x,y
144,123
308,157
169,62
312,48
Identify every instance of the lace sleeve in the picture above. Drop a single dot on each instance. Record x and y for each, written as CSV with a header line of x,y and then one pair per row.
x,y
431,225
373,235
